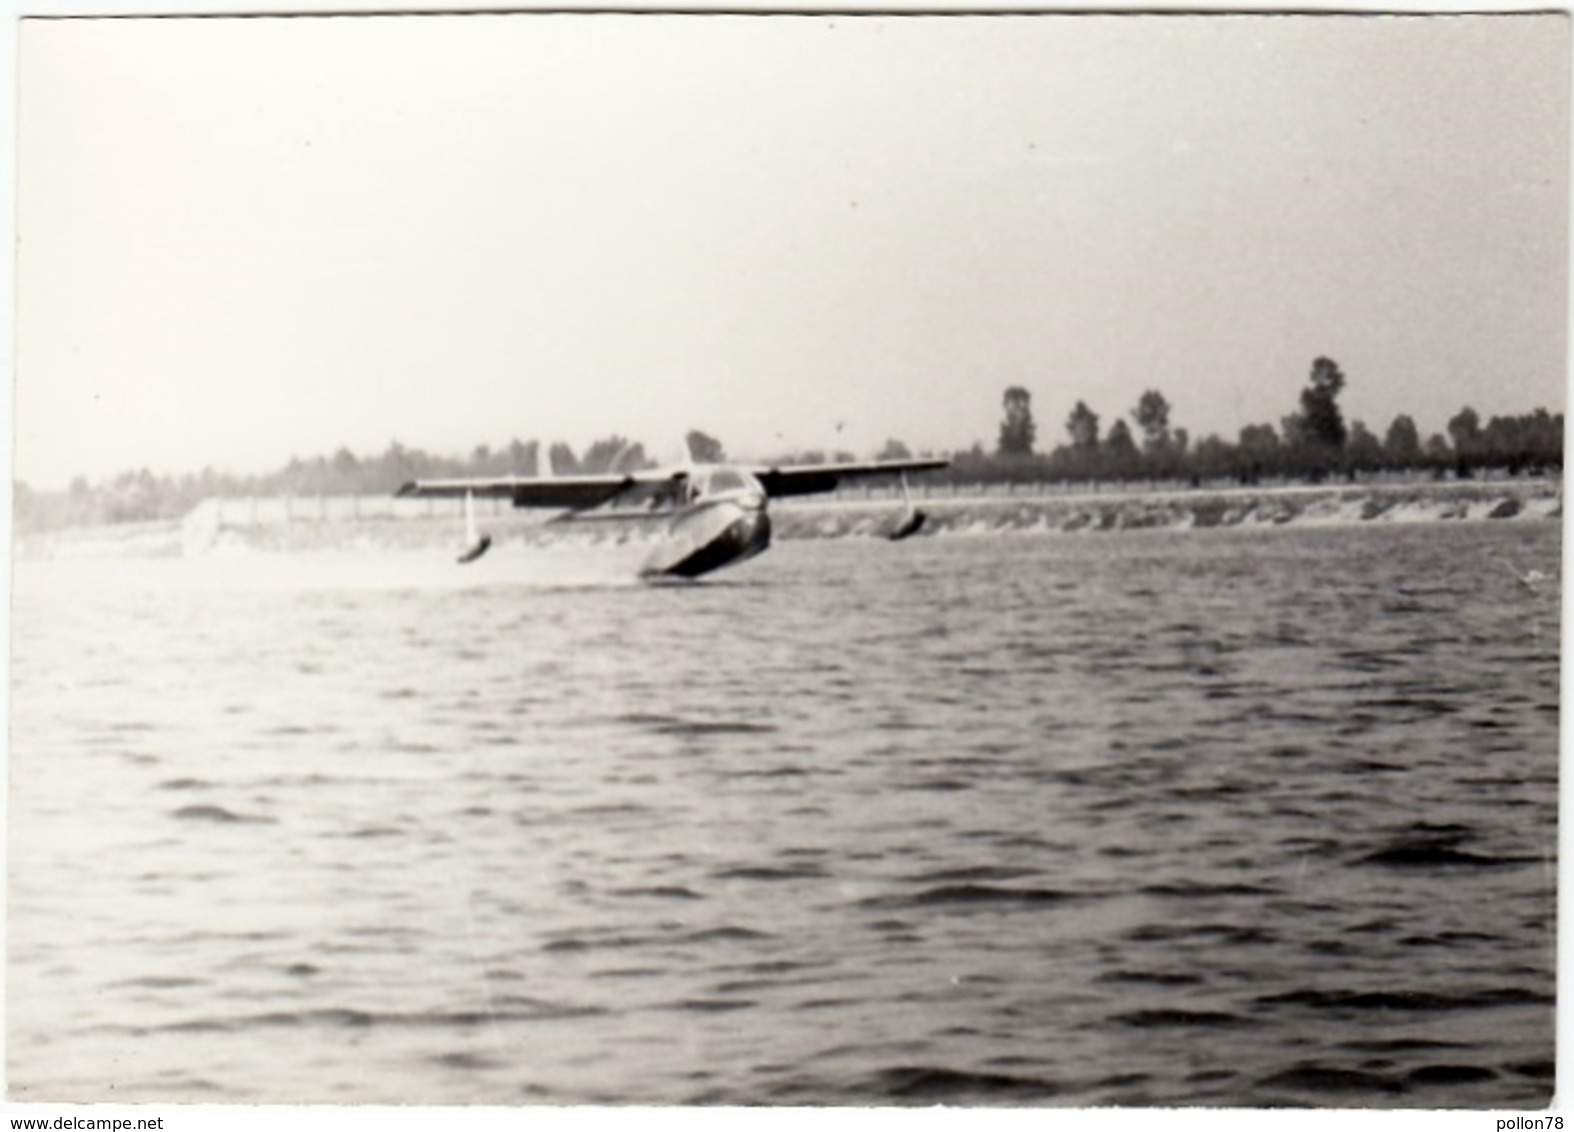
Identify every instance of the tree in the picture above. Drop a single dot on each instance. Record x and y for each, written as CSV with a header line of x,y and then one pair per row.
x,y
1543,437
134,496
705,449
1320,423
524,459
612,454
344,472
1210,460
1258,451
1438,454
1362,451
1530,442
1152,415
1464,429
1017,431
1505,442
396,466
561,459
1316,434
895,450
1083,425
1402,444
1122,460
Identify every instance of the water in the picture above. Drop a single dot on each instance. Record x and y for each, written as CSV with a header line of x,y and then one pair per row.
x,y
1241,817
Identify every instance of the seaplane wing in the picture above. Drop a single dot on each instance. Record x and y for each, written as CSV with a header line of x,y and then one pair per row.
x,y
576,492
702,516
807,479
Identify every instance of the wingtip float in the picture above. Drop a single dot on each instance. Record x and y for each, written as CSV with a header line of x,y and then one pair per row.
x,y
909,526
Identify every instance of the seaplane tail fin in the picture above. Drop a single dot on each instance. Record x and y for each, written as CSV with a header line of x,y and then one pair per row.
x,y
682,457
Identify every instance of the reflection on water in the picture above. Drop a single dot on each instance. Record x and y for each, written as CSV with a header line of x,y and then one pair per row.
x,y
1229,817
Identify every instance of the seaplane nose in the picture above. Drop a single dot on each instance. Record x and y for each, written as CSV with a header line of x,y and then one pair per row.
x,y
757,530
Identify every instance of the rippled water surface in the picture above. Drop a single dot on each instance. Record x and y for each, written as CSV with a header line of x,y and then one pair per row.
x,y
1225,817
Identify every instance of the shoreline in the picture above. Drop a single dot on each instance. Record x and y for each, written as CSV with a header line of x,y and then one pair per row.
x,y
378,523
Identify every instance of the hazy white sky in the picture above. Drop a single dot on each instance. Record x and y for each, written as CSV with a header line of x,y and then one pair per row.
x,y
247,239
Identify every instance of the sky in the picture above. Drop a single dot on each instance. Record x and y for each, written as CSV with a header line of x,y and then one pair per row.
x,y
246,240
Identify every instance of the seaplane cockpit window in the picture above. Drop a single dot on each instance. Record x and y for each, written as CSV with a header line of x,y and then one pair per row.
x,y
720,480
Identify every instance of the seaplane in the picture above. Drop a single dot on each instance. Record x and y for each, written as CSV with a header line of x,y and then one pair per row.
x,y
700,517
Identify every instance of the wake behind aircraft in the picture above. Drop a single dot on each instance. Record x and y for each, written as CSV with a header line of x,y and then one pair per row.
x,y
703,516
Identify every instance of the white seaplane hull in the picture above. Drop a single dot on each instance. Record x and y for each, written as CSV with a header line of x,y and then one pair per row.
x,y
707,538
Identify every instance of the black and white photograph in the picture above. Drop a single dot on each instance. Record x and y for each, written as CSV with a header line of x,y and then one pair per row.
x,y
787,559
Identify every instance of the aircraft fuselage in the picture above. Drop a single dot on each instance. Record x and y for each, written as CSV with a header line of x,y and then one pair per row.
x,y
714,517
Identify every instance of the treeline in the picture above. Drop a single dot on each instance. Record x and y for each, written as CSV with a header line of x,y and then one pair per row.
x,y
140,495
1313,443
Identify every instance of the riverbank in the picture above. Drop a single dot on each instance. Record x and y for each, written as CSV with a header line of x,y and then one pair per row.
x,y
347,524
1121,510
